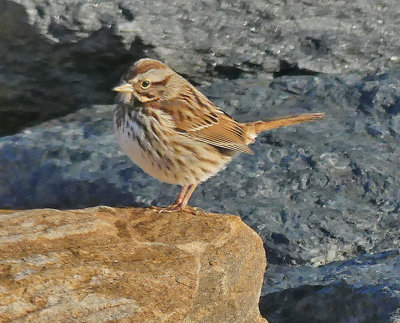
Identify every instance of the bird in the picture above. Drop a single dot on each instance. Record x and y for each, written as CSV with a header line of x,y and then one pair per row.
x,y
175,133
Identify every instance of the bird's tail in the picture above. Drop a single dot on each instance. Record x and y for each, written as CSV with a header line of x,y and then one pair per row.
x,y
254,128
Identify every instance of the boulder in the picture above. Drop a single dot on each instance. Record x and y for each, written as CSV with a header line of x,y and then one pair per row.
x,y
137,265
81,48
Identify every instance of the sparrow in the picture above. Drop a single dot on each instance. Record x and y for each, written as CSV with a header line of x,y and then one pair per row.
x,y
175,133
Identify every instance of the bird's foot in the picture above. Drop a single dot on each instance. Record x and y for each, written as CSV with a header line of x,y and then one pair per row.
x,y
179,208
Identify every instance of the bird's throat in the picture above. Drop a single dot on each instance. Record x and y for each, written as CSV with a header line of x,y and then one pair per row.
x,y
126,97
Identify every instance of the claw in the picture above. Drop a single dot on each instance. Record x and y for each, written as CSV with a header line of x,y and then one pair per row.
x,y
186,209
178,208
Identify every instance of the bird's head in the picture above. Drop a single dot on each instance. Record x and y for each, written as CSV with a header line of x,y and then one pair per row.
x,y
149,80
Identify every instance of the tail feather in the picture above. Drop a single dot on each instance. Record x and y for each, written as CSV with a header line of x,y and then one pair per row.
x,y
259,126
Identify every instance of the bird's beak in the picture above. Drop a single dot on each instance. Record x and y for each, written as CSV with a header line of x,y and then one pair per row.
x,y
124,88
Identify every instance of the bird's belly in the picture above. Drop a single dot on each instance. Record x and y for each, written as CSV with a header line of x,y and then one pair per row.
x,y
143,159
174,159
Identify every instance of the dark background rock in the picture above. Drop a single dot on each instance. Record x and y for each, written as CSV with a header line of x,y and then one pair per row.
x,y
42,79
59,56
362,289
324,196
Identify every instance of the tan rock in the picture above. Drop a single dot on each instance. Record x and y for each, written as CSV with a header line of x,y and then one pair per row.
x,y
128,265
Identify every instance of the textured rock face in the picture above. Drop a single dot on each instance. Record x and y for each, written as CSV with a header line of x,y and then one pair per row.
x,y
82,47
135,265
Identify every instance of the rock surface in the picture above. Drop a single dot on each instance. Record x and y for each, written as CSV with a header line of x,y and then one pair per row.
x,y
136,265
82,47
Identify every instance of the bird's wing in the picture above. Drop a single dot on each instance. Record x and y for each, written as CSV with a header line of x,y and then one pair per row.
x,y
196,117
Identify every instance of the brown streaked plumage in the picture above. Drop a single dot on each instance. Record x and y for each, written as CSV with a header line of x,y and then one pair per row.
x,y
175,133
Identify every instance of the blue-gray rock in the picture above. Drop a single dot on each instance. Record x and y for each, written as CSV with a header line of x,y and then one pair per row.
x,y
59,56
362,289
240,37
324,196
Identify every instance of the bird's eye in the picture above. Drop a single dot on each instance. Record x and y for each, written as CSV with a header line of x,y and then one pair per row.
x,y
145,84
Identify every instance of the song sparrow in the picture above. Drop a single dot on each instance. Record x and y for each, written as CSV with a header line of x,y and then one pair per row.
x,y
174,132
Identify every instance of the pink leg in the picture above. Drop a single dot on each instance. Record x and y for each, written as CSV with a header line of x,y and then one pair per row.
x,y
188,195
182,201
181,195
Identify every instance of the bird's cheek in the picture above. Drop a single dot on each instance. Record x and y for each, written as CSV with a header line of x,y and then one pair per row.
x,y
144,97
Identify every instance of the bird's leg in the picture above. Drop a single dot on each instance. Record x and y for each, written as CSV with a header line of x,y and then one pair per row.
x,y
181,195
177,204
190,209
187,196
182,201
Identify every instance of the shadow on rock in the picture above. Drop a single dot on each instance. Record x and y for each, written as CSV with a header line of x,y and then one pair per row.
x,y
333,303
40,79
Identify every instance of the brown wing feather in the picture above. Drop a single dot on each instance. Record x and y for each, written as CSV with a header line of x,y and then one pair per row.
x,y
196,117
226,133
